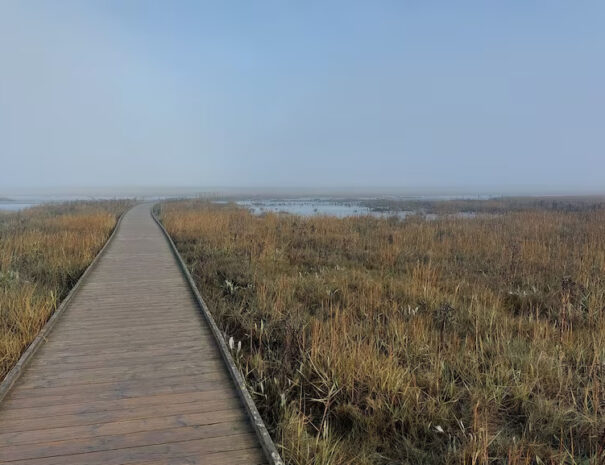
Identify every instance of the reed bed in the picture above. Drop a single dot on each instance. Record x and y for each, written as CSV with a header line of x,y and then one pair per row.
x,y
43,252
381,341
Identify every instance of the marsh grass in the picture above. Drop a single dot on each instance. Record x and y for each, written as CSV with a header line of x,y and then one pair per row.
x,y
495,205
43,252
381,341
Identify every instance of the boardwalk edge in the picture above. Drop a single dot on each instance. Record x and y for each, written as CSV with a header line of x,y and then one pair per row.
x,y
17,370
260,429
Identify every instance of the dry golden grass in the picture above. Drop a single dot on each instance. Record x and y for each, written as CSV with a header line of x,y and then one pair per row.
x,y
377,341
43,252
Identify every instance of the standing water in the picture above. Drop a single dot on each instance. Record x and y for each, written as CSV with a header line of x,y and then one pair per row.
x,y
15,206
308,207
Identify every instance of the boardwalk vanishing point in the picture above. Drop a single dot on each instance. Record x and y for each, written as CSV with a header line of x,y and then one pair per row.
x,y
131,372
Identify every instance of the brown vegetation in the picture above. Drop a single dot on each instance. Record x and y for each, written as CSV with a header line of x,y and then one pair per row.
x,y
379,341
43,252
493,206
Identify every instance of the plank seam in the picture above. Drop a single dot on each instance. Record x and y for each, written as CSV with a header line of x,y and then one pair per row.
x,y
258,424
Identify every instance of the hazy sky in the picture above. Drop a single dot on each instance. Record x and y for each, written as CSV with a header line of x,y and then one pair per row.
x,y
480,95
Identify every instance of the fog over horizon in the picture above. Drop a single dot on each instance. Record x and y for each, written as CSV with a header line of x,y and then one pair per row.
x,y
452,97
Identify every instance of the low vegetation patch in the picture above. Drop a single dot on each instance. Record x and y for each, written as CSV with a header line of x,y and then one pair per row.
x,y
382,341
495,205
43,252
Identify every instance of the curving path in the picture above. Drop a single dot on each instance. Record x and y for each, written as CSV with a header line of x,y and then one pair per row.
x,y
130,374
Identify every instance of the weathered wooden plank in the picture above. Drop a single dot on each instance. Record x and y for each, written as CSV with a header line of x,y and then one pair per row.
x,y
185,418
130,335
108,416
122,440
99,361
17,412
121,374
141,454
122,346
106,390
134,348
237,457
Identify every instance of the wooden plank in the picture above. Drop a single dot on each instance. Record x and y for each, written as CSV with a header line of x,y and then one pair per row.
x,y
138,365
12,411
107,416
50,350
117,327
122,440
130,336
253,456
110,322
107,390
100,337
140,373
185,416
150,452
98,361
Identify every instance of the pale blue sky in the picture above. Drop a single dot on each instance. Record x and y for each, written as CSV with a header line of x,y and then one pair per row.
x,y
476,95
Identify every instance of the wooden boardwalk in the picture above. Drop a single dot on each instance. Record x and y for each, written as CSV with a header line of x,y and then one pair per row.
x,y
131,373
